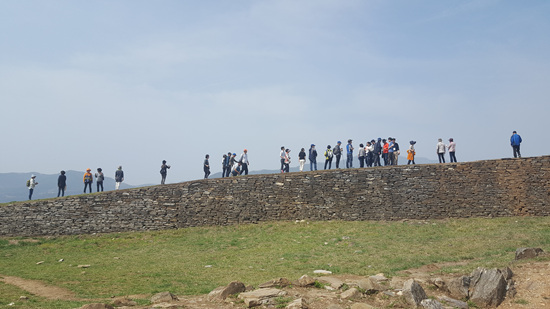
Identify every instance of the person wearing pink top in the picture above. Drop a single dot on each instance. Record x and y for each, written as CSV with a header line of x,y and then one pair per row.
x,y
451,147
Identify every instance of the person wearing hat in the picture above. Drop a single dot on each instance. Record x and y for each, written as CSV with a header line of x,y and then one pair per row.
x,y
328,157
119,177
99,177
31,184
244,160
349,151
61,184
411,153
312,157
88,180
206,166
163,172
337,151
515,140
233,161
451,147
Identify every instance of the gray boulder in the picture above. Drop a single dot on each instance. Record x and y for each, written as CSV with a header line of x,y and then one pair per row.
x,y
260,296
350,294
431,304
458,287
528,253
223,292
454,302
487,287
97,306
279,282
163,297
299,303
413,293
369,285
306,280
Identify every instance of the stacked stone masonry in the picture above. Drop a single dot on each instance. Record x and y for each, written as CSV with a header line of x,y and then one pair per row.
x,y
492,188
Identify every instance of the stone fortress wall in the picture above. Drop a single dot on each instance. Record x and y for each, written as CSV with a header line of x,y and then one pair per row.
x,y
491,188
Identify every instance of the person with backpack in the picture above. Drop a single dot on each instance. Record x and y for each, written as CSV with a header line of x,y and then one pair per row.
x,y
328,157
31,183
61,184
88,180
302,159
99,178
337,151
119,177
163,171
206,166
312,157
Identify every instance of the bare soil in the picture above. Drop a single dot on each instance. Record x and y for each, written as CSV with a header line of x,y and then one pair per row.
x,y
532,281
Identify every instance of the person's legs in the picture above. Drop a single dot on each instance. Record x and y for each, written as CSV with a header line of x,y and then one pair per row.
x,y
315,164
30,193
282,165
245,169
330,164
58,191
361,161
396,158
453,156
97,185
349,161
117,185
338,161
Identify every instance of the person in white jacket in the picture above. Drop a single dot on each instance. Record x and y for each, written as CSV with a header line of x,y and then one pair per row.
x,y
441,150
32,184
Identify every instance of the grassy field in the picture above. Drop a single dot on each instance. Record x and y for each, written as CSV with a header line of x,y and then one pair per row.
x,y
196,260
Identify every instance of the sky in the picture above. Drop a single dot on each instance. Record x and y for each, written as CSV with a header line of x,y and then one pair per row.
x,y
88,84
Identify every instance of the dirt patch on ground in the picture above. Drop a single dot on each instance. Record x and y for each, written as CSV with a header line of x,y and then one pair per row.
x,y
532,284
38,288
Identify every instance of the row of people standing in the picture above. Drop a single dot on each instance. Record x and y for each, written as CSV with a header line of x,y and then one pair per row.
x,y
230,164
441,149
89,179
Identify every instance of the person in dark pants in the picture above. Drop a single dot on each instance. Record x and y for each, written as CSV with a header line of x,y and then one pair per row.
x,y
88,180
385,151
31,184
349,151
361,155
163,171
206,167
312,157
244,160
515,141
328,157
61,184
224,165
282,156
99,179
452,148
377,152
228,164
337,151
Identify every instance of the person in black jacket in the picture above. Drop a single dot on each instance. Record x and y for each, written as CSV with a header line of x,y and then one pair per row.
x,y
377,152
61,184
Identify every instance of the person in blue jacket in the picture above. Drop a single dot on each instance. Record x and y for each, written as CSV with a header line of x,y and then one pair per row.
x,y
515,140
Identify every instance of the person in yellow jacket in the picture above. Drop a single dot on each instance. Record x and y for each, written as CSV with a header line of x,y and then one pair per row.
x,y
88,180
411,153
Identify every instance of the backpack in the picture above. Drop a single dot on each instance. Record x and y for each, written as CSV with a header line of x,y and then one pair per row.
x,y
28,183
328,154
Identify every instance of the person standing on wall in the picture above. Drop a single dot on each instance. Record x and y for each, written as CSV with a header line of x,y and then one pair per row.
x,y
282,156
88,180
411,153
302,159
377,152
287,160
312,157
31,183
369,154
391,157
206,166
440,149
349,151
61,184
328,157
385,151
515,140
224,165
119,177
163,171
361,155
244,161
99,178
451,147
337,151
396,151
228,164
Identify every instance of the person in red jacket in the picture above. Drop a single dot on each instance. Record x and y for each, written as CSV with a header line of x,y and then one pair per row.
x,y
88,180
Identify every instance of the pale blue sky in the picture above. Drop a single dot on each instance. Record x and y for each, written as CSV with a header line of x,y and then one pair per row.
x,y
107,83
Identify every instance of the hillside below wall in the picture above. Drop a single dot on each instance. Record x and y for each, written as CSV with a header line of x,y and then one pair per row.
x,y
492,188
